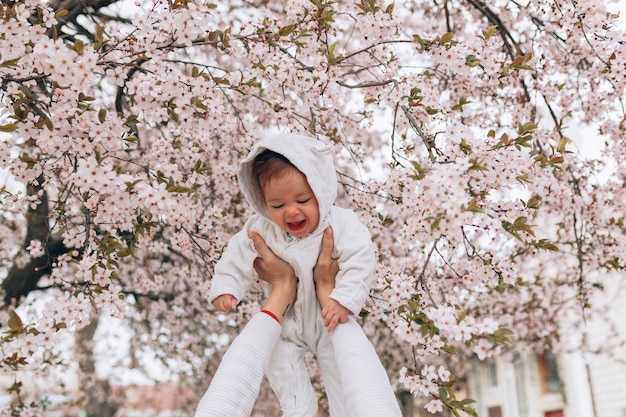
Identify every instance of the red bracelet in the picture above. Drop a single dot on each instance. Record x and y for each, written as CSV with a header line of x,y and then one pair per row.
x,y
272,315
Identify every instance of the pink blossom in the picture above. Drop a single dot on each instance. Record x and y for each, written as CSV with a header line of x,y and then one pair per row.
x,y
434,406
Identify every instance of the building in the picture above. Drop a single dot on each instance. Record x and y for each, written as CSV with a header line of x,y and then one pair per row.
x,y
543,384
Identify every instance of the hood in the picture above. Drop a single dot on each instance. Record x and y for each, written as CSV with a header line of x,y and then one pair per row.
x,y
312,157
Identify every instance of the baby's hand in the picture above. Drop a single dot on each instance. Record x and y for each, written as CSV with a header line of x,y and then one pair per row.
x,y
225,302
334,313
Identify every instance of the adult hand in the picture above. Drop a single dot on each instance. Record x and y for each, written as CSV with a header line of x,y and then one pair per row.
x,y
268,266
276,272
326,269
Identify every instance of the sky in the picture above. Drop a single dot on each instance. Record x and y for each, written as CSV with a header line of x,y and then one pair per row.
x,y
619,7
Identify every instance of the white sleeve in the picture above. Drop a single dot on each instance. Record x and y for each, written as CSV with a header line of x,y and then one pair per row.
x,y
234,272
366,386
357,260
236,383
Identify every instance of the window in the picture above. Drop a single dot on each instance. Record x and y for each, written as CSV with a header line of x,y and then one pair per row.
x,y
494,411
548,368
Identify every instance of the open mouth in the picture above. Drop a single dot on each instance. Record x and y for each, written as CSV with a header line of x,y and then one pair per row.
x,y
296,226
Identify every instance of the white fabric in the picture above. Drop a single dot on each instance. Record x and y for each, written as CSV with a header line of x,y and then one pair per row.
x,y
366,386
236,383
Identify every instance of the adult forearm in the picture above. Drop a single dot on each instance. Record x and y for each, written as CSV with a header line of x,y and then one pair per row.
x,y
366,386
236,384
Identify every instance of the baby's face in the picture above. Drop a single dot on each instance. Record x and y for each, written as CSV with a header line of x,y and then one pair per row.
x,y
291,203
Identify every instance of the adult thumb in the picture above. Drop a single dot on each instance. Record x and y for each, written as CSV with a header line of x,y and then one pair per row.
x,y
259,244
328,243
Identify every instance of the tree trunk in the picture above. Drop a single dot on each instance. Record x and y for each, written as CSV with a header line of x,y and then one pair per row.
x,y
100,401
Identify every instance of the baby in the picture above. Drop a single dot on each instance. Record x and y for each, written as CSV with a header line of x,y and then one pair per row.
x,y
290,181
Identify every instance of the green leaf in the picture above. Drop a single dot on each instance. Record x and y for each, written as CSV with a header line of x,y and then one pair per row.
x,y
533,202
465,147
472,61
99,37
11,127
15,323
330,55
79,46
420,172
220,80
443,394
461,103
286,30
472,206
446,38
461,316
178,189
124,252
387,221
476,165
418,39
490,31
16,387
519,225
521,61
434,222
526,127
467,401
10,62
449,349
83,97
501,336
545,244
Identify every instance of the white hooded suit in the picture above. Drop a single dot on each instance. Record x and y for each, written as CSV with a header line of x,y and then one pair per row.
x,y
303,329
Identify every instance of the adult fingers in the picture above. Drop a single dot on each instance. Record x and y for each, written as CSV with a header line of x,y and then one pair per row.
x,y
328,242
261,247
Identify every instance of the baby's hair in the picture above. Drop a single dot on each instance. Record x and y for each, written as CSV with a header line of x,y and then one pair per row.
x,y
269,164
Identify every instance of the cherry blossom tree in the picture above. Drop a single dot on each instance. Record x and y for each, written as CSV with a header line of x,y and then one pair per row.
x,y
457,130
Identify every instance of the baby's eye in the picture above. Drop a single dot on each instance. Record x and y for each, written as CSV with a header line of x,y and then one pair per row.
x,y
304,201
277,206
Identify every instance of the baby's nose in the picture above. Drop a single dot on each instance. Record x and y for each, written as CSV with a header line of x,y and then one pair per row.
x,y
292,210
